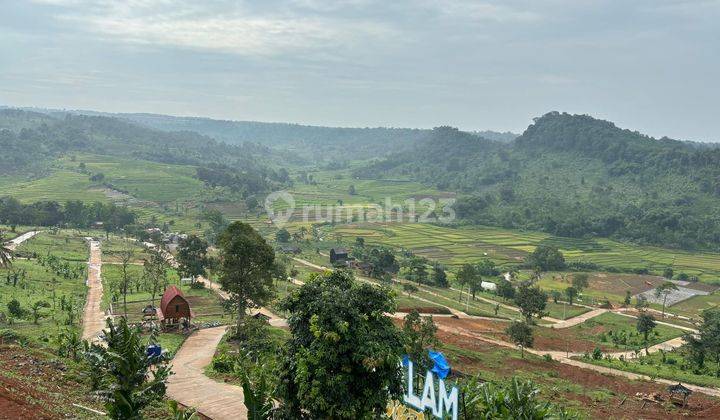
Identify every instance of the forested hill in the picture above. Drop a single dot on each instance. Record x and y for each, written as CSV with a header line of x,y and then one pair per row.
x,y
574,175
310,142
30,141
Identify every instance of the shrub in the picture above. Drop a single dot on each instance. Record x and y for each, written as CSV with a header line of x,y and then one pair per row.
x,y
597,353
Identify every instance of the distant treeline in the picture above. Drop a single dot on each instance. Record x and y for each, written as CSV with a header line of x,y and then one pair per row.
x,y
71,214
28,139
575,176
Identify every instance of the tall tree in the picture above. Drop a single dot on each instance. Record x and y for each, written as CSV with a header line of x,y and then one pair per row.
x,y
246,266
466,277
439,277
531,301
155,274
580,281
645,325
571,292
419,336
521,334
663,291
342,360
126,279
546,258
192,256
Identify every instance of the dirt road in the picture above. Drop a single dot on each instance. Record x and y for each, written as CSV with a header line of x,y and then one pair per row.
x,y
93,317
189,385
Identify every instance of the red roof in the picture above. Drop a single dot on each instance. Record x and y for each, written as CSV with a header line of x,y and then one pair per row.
x,y
170,293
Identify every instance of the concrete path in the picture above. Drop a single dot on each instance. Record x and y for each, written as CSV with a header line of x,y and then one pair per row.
x,y
571,322
189,385
93,317
14,243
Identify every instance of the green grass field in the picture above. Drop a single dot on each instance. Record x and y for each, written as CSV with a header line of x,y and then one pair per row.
x,y
41,284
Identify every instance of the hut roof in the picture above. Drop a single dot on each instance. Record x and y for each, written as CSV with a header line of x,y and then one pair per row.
x,y
679,389
170,293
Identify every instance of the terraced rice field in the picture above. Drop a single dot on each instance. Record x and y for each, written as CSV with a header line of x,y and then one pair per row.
x,y
456,246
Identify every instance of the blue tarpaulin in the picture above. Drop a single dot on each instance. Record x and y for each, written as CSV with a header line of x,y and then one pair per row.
x,y
441,366
154,350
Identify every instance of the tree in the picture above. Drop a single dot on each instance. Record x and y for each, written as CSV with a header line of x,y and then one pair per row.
x,y
521,334
342,360
192,256
580,281
360,242
531,301
546,258
246,267
664,290
37,310
155,274
571,293
707,341
6,254
645,325
129,380
556,295
410,288
126,280
282,235
466,277
668,273
628,297
419,337
351,190
439,277
505,289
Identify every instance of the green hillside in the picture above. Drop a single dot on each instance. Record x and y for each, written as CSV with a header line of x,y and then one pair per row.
x,y
576,176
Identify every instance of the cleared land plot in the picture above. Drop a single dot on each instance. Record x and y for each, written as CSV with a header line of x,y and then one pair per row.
x,y
675,296
65,244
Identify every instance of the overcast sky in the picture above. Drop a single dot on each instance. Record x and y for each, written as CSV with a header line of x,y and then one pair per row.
x,y
648,65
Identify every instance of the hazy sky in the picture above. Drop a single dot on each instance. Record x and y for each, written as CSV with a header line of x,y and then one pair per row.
x,y
649,65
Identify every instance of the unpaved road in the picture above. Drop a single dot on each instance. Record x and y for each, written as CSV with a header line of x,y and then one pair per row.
x,y
189,385
93,317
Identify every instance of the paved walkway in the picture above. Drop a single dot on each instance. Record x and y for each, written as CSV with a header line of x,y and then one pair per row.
x,y
189,385
571,322
93,316
13,243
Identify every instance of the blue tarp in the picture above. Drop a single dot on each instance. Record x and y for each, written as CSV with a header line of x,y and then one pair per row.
x,y
441,366
154,351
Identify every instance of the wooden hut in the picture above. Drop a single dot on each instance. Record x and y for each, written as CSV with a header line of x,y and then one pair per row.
x,y
173,306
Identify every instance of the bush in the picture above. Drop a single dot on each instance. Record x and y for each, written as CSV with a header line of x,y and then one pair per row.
x,y
597,354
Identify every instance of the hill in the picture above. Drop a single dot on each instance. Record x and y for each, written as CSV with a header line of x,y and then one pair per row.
x,y
573,175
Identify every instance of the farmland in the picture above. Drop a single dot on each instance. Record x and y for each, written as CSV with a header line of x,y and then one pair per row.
x,y
456,246
50,289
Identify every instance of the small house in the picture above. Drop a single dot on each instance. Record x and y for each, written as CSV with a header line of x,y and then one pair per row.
x,y
338,255
173,306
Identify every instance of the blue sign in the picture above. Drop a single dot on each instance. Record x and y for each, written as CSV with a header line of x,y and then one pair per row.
x,y
439,402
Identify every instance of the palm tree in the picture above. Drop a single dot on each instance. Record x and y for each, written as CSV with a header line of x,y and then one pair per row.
x,y
6,254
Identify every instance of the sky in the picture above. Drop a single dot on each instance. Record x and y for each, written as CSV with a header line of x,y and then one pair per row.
x,y
647,65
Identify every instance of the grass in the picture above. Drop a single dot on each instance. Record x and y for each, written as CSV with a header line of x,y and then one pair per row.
x,y
674,368
600,331
564,311
66,244
41,284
